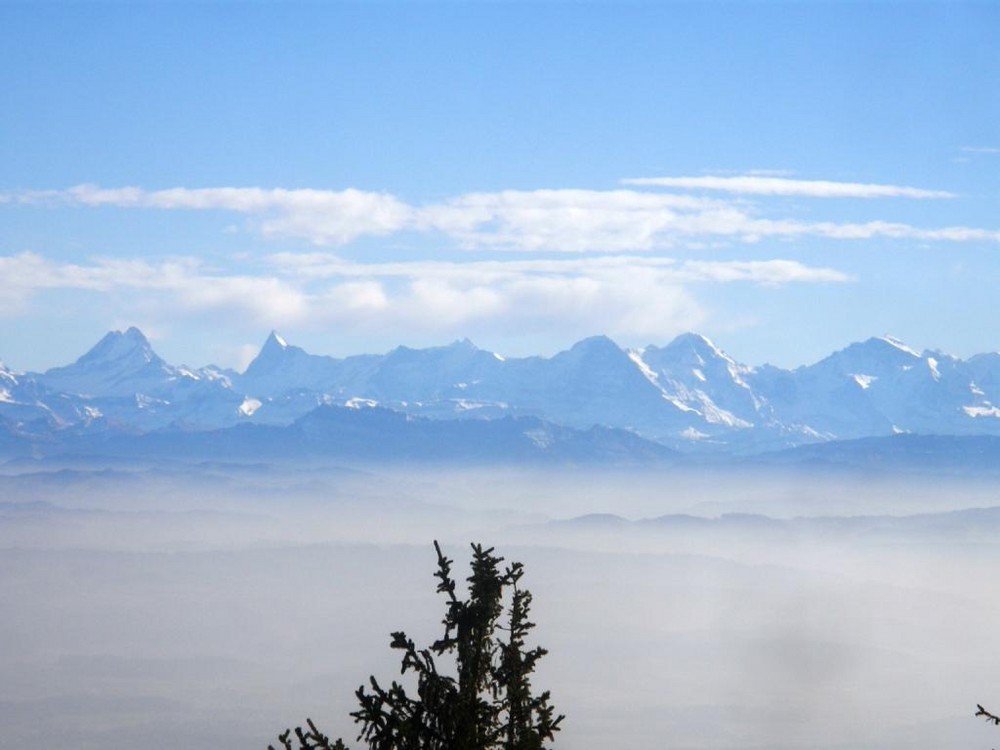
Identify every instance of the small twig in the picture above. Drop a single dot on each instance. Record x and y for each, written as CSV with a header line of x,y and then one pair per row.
x,y
987,715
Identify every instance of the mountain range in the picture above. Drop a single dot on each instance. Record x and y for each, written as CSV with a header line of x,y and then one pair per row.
x,y
688,396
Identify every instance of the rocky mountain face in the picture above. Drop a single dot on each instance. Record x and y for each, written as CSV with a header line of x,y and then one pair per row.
x,y
687,394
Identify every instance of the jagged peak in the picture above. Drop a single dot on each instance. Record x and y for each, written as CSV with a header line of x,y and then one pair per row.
x,y
274,351
463,344
116,345
6,373
693,339
896,343
596,343
878,355
691,349
939,355
697,342
274,339
878,344
595,352
984,357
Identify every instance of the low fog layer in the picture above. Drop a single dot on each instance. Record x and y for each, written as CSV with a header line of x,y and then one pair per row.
x,y
212,606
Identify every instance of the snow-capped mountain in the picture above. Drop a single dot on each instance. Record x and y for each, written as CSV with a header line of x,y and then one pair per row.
x,y
120,364
280,367
879,387
593,382
686,394
121,380
696,373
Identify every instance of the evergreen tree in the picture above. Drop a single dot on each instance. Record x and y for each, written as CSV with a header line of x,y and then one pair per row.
x,y
488,704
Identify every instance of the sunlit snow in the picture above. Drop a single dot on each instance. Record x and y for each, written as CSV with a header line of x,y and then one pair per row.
x,y
864,381
982,411
249,406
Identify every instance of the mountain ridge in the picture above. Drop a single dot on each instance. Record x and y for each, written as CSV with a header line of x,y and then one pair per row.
x,y
688,394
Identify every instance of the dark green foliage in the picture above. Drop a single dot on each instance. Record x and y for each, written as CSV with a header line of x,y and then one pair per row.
x,y
311,740
488,704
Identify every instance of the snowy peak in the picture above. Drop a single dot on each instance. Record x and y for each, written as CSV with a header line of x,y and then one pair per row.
x,y
275,341
695,343
272,355
596,382
694,371
128,349
120,364
458,348
687,350
437,373
597,362
596,344
594,350
6,375
280,367
695,361
877,357
896,343
686,390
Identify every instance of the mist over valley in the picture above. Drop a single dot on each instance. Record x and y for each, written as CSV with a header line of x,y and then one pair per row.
x,y
174,603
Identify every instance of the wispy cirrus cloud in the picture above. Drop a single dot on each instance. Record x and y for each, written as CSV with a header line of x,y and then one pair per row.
x,y
571,220
326,266
323,217
562,220
757,184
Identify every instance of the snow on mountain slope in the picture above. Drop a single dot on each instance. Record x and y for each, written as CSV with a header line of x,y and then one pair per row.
x,y
6,374
692,370
833,397
441,373
120,364
595,382
938,395
880,387
687,393
123,380
877,357
985,372
25,401
280,367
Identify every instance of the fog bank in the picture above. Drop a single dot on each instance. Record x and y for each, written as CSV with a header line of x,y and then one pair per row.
x,y
213,606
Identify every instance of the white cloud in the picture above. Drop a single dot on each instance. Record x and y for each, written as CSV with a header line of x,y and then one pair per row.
x,y
755,229
634,296
566,220
571,221
767,272
326,266
627,302
756,184
980,150
186,284
324,217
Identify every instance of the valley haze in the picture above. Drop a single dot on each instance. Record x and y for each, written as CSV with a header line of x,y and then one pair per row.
x,y
210,604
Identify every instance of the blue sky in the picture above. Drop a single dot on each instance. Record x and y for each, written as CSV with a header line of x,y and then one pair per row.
x,y
783,178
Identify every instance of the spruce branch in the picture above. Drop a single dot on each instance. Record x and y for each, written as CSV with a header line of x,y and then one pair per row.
x,y
987,715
